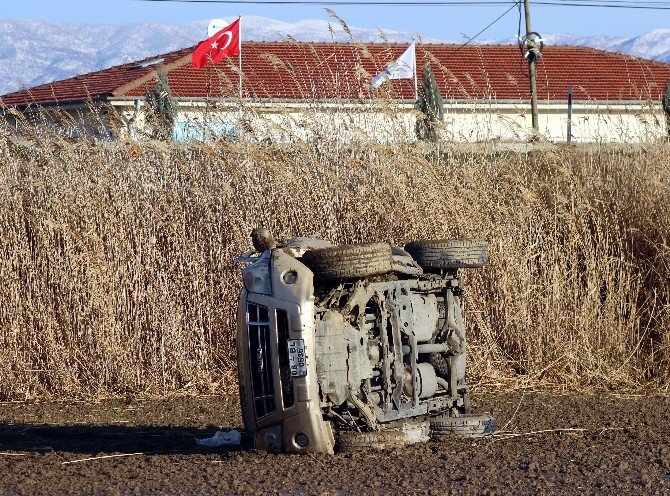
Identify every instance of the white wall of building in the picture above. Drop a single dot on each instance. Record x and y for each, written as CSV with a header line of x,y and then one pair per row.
x,y
384,121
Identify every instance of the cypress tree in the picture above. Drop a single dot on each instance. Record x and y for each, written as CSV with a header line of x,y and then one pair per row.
x,y
163,108
430,107
666,108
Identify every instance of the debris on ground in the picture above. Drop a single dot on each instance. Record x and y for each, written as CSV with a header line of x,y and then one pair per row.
x,y
221,438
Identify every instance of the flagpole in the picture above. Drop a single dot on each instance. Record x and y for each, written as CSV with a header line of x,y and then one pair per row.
x,y
416,89
239,58
239,81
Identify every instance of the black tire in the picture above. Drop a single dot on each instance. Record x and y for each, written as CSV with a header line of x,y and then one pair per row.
x,y
440,363
449,253
463,426
349,261
377,440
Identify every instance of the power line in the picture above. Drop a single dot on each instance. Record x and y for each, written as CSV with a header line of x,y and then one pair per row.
x,y
613,4
515,4
610,5
627,2
346,2
630,2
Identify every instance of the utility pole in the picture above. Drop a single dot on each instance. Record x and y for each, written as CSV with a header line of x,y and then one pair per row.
x,y
532,58
569,114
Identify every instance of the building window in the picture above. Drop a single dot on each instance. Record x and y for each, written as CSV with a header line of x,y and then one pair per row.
x,y
203,131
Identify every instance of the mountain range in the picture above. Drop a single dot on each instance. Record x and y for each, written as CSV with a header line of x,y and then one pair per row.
x,y
36,52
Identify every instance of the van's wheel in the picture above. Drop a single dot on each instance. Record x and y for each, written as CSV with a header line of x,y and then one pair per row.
x,y
349,261
463,426
449,253
408,433
376,440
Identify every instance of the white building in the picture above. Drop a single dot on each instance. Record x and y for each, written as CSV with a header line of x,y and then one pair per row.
x,y
297,90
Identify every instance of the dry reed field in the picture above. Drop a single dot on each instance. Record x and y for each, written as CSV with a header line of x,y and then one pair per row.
x,y
116,272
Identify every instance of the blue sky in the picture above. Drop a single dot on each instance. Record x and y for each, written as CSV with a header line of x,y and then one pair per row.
x,y
443,22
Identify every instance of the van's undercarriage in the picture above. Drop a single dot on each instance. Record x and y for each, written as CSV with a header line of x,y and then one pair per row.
x,y
360,344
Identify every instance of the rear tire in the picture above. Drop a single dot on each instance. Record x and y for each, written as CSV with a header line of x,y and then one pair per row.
x,y
463,426
349,261
449,253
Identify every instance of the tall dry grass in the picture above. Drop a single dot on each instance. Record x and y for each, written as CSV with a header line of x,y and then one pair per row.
x,y
116,258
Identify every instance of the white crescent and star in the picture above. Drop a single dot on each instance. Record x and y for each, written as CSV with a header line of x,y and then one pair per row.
x,y
215,45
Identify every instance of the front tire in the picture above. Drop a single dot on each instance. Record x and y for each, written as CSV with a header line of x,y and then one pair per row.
x,y
409,433
376,440
349,261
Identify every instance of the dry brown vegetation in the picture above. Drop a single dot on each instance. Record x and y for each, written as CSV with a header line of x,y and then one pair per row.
x,y
116,258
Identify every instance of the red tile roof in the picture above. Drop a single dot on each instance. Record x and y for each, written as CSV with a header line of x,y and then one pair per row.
x,y
343,70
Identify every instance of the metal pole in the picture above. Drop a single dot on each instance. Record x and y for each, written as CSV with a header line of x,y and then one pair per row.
x,y
239,54
532,70
569,114
416,89
240,125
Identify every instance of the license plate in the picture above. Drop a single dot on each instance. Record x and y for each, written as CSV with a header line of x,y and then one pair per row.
x,y
297,360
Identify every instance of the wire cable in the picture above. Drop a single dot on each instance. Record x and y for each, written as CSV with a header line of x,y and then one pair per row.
x,y
515,4
373,3
665,6
614,4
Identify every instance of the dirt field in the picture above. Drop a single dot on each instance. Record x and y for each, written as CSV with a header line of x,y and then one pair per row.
x,y
607,445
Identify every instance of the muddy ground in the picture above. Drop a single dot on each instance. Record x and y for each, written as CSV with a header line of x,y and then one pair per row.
x,y
607,445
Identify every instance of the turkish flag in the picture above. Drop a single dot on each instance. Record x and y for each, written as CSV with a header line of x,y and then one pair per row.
x,y
223,44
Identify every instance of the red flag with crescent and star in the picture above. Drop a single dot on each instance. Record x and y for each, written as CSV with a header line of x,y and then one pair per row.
x,y
224,43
